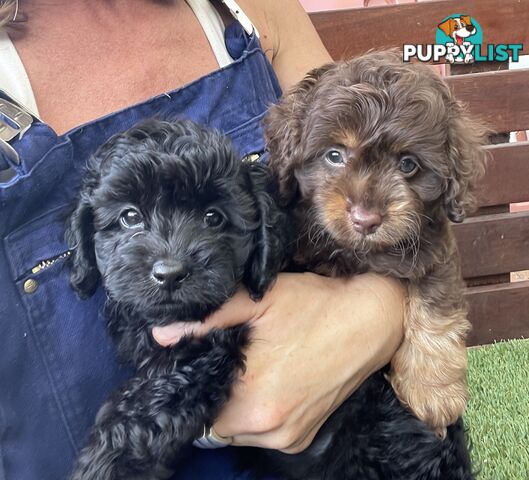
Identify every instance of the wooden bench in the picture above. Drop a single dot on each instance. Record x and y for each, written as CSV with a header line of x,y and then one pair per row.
x,y
495,242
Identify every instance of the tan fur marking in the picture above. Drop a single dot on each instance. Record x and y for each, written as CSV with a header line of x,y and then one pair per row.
x,y
334,208
347,138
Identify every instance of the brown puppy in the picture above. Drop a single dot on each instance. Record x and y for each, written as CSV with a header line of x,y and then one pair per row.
x,y
375,157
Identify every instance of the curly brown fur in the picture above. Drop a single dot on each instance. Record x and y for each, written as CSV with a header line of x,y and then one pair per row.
x,y
374,157
172,223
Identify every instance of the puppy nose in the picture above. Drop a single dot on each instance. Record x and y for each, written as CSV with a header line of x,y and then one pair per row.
x,y
364,221
470,28
169,273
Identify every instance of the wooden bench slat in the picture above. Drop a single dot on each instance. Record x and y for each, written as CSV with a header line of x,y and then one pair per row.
x,y
347,33
493,244
498,312
500,98
506,179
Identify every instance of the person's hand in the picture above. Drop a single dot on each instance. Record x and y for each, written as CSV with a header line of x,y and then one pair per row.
x,y
314,340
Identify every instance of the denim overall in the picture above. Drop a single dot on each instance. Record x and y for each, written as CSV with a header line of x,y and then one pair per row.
x,y
57,365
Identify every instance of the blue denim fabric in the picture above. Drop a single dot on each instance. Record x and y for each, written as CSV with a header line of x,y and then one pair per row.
x,y
56,362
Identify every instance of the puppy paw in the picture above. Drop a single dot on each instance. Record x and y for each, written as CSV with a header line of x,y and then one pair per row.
x,y
436,404
216,357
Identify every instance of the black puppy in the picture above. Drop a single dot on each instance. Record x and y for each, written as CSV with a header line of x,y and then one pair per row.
x,y
172,222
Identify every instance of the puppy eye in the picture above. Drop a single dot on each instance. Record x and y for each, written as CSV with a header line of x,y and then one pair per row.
x,y
131,218
214,219
408,164
335,157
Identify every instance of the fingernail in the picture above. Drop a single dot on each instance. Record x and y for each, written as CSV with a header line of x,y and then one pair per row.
x,y
162,336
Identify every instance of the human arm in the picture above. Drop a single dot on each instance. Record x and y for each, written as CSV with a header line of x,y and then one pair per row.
x,y
287,37
314,340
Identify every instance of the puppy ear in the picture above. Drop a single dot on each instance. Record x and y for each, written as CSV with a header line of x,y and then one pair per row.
x,y
79,236
466,158
272,237
447,27
284,126
466,19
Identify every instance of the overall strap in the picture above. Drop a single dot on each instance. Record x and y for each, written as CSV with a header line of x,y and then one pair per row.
x,y
213,26
13,77
241,17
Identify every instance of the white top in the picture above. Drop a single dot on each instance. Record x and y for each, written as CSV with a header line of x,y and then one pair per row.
x,y
213,27
14,79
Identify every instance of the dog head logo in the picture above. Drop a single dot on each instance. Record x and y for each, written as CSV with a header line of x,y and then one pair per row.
x,y
458,28
460,34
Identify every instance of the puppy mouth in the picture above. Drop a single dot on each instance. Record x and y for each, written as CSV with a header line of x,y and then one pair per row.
x,y
350,237
182,305
164,308
366,241
164,313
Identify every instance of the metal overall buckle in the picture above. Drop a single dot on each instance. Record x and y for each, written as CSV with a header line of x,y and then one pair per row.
x,y
15,120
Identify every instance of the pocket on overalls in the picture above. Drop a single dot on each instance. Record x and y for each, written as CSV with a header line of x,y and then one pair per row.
x,y
70,333
248,138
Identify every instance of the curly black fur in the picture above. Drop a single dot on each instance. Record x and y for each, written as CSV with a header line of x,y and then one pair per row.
x,y
144,225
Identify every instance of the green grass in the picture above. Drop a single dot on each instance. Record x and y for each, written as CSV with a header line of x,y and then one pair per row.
x,y
498,412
